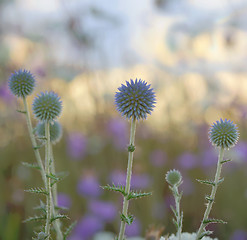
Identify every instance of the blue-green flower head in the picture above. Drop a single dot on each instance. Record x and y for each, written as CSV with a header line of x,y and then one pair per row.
x,y
55,131
21,83
135,99
224,134
174,177
47,106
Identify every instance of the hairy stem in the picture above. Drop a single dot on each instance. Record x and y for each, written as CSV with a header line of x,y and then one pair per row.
x,y
57,223
212,195
48,182
178,215
128,178
33,140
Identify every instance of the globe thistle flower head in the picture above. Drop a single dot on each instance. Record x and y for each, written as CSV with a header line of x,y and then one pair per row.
x,y
135,99
174,177
55,131
224,134
21,83
47,106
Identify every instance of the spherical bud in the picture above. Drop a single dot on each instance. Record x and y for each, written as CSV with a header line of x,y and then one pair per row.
x,y
55,131
47,106
135,99
21,83
41,236
224,134
173,177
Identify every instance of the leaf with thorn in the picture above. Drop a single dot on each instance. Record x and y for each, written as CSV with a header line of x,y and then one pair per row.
x,y
21,111
68,230
115,188
213,220
37,190
129,219
41,207
207,182
35,218
31,165
59,216
225,161
134,195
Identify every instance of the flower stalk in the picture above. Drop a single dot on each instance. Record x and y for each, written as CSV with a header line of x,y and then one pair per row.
x,y
128,177
212,195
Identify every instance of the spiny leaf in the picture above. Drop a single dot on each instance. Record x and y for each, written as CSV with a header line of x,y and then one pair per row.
x,y
115,188
68,230
31,165
220,181
21,111
213,220
59,216
58,177
37,190
35,218
41,207
208,198
61,208
134,195
205,233
129,219
225,161
208,182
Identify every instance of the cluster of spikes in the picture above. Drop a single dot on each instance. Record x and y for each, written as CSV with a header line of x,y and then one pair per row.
x,y
135,99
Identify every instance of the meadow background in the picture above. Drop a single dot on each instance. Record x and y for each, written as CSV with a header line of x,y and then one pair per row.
x,y
194,53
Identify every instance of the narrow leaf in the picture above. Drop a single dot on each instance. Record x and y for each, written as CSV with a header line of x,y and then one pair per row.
x,y
206,233
35,218
115,188
225,161
41,207
134,195
68,230
213,220
59,216
21,111
37,190
31,165
208,198
207,182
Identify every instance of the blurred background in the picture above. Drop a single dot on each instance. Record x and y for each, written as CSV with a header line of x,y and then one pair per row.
x,y
193,52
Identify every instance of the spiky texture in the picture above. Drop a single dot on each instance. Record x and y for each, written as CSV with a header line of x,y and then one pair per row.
x,y
173,177
224,134
47,106
55,131
21,83
135,99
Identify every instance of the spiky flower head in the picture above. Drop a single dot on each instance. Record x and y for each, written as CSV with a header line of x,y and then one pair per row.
x,y
224,134
174,177
47,106
21,83
55,131
135,99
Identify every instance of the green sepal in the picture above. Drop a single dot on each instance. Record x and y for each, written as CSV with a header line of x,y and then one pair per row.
x,y
35,218
59,216
131,148
21,111
31,165
115,188
205,233
135,195
129,219
68,230
207,182
213,220
225,161
37,190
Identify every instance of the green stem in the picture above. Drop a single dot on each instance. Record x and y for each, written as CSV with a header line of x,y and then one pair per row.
x,y
128,179
33,140
212,195
178,216
57,223
48,182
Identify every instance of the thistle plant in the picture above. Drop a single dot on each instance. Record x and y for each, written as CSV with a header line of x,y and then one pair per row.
x,y
135,101
46,107
174,178
224,135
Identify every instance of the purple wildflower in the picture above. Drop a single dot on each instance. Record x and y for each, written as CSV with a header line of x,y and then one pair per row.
x,y
76,146
63,200
134,229
187,160
239,235
158,158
